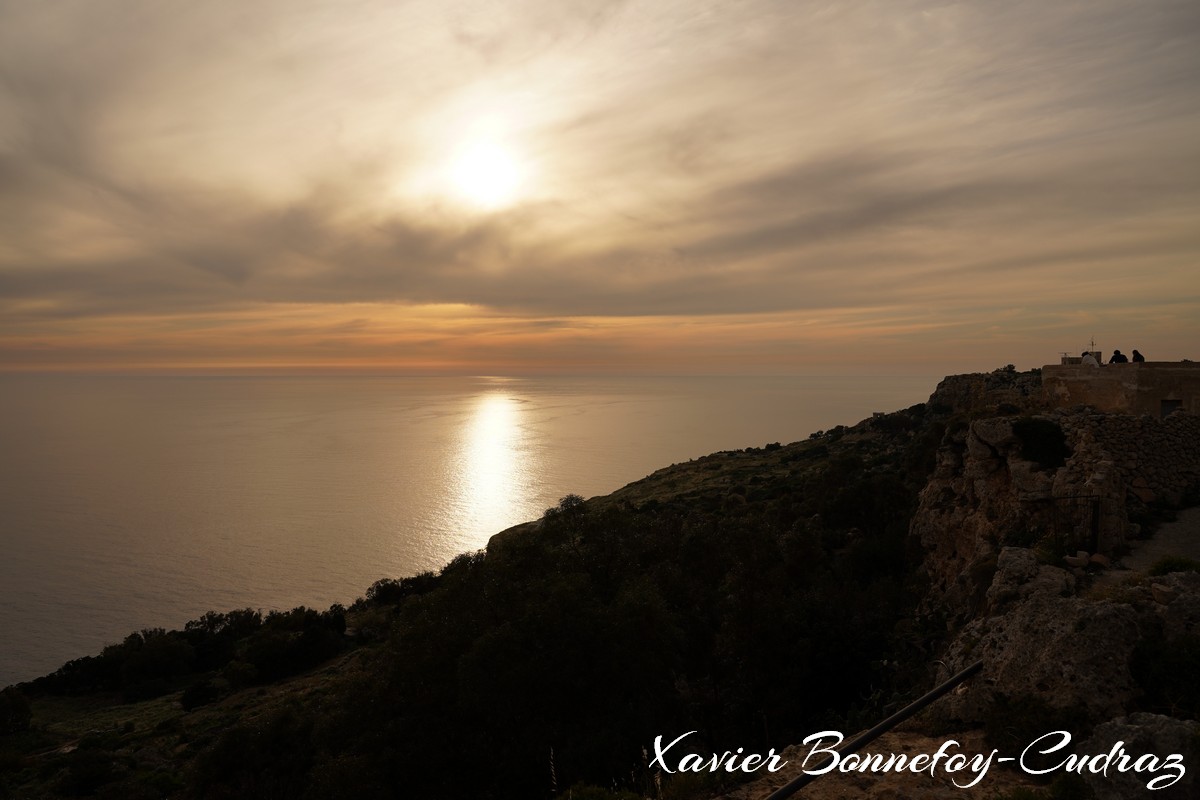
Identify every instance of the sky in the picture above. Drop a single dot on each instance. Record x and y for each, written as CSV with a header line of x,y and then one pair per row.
x,y
558,186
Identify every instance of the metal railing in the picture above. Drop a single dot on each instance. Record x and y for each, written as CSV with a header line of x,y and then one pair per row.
x,y
1076,521
866,737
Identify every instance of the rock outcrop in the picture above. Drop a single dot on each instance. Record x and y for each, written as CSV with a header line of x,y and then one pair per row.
x,y
989,390
998,516
1019,489
1143,733
1036,638
995,520
983,495
992,489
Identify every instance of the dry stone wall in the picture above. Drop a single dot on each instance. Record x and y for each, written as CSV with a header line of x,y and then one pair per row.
x,y
1158,459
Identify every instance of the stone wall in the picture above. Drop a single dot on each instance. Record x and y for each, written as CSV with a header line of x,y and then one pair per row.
x,y
1124,388
1158,459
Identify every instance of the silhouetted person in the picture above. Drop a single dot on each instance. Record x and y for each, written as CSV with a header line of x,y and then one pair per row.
x,y
1089,360
1118,358
1138,358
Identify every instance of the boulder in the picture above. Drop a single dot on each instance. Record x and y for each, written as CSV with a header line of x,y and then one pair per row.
x,y
1040,641
1020,576
1142,734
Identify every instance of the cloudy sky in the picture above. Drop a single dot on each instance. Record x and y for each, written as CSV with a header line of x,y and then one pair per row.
x,y
565,186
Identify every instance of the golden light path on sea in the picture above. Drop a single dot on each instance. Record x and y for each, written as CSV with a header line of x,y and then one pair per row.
x,y
492,472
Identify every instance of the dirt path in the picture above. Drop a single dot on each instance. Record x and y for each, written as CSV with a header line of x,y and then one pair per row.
x,y
1178,538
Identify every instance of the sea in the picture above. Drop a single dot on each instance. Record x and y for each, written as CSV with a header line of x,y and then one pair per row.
x,y
132,502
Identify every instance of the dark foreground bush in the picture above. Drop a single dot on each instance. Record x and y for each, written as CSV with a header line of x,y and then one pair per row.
x,y
1169,564
15,712
1166,671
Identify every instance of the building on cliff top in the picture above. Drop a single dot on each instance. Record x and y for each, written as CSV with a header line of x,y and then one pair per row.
x,y
1158,388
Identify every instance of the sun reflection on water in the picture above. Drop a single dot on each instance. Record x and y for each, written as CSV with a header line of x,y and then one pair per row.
x,y
493,471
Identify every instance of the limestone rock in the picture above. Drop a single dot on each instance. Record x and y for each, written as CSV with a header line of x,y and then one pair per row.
x,y
1163,594
1019,576
1144,733
1180,616
1066,650
982,495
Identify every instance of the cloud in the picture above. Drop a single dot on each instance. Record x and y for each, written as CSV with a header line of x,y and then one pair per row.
x,y
691,160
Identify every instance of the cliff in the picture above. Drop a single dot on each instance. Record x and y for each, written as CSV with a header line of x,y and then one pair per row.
x,y
1027,526
1021,556
1068,479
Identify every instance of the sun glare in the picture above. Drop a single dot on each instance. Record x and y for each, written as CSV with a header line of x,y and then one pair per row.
x,y
493,471
487,176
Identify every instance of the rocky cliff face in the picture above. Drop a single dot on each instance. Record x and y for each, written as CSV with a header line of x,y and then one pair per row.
x,y
983,390
1037,638
996,520
983,494
1081,663
994,487
1018,490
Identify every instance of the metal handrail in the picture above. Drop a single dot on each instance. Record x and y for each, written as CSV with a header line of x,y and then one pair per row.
x,y
866,737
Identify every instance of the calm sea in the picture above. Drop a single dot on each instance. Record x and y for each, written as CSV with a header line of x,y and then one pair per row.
x,y
132,502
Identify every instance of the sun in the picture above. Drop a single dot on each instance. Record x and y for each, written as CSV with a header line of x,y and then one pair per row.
x,y
487,175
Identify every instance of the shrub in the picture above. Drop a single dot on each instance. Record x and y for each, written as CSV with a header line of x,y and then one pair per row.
x,y
1014,722
570,506
1166,671
392,592
150,659
268,758
15,713
239,674
87,770
1169,564
199,694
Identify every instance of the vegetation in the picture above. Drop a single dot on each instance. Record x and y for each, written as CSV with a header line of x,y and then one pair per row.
x,y
1168,564
752,597
1166,672
1014,722
15,712
246,647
